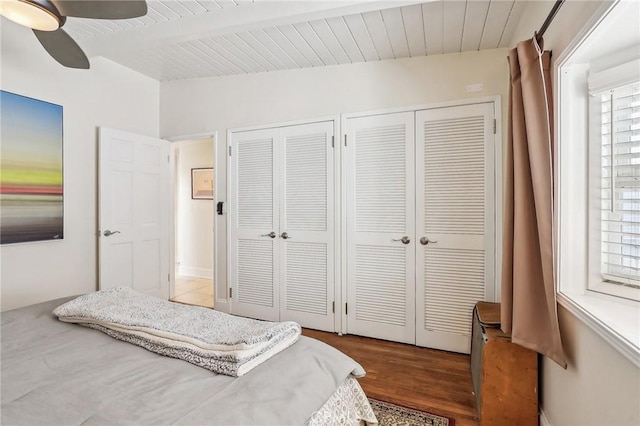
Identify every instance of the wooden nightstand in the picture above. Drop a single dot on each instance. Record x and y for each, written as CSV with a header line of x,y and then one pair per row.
x,y
505,375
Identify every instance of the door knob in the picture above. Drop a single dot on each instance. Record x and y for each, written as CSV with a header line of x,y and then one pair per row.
x,y
108,233
285,236
405,240
271,234
424,241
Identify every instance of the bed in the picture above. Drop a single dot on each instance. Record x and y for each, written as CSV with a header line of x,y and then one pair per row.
x,y
57,373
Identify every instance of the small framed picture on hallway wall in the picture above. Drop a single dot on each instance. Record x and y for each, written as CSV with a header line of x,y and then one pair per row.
x,y
202,184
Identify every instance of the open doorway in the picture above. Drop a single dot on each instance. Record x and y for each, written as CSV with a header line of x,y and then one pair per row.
x,y
194,214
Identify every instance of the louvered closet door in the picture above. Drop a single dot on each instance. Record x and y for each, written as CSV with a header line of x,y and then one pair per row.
x,y
379,202
307,217
254,205
455,220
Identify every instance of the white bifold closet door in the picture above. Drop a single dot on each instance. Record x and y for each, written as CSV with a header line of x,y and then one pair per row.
x,y
380,228
282,216
254,210
455,221
307,217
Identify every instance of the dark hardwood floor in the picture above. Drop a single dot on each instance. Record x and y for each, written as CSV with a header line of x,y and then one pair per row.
x,y
424,379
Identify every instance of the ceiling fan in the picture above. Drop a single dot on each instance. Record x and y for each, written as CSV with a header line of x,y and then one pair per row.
x,y
46,18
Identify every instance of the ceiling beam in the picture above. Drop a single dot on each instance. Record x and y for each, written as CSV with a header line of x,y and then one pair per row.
x,y
244,17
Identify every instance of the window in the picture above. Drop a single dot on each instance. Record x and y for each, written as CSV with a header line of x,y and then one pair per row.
x,y
598,176
617,144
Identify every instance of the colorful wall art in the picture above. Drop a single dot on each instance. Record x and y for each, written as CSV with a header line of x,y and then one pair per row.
x,y
31,205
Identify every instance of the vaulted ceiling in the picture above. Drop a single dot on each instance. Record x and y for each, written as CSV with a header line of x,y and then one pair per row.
x,y
183,39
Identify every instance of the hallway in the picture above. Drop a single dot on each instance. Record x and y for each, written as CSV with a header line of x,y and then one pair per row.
x,y
194,291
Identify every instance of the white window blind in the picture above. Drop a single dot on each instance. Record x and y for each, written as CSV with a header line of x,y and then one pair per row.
x,y
620,174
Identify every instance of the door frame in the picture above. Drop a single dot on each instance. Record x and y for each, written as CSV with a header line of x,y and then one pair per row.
x,y
338,324
172,199
492,293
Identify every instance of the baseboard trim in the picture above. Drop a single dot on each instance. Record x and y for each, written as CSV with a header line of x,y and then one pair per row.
x,y
544,421
195,272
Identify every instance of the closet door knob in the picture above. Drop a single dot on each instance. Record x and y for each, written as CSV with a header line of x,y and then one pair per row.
x,y
424,241
285,236
271,234
405,240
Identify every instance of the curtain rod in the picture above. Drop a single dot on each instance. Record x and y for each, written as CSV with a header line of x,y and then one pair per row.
x,y
547,22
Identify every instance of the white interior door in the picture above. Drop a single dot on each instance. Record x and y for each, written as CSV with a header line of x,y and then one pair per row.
x,y
307,225
134,212
455,221
254,210
380,209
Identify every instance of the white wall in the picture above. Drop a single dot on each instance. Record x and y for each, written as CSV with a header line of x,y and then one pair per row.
x,y
206,105
107,95
599,386
194,218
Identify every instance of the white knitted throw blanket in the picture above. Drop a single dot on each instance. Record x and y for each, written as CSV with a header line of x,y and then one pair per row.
x,y
219,342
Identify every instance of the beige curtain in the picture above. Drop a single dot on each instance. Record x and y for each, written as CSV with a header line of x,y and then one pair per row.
x,y
529,309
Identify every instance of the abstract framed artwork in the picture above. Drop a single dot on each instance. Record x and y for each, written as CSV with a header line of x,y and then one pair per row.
x,y
31,174
202,184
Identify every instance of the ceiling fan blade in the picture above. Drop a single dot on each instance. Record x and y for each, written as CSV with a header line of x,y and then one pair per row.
x,y
63,48
101,9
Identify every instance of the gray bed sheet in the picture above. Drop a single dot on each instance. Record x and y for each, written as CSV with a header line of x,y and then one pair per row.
x,y
55,373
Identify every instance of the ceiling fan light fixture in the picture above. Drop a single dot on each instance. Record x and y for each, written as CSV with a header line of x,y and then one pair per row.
x,y
36,14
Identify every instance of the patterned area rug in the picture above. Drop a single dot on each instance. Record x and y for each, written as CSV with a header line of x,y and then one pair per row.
x,y
395,415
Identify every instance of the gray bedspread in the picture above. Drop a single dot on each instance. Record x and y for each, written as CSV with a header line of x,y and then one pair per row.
x,y
56,373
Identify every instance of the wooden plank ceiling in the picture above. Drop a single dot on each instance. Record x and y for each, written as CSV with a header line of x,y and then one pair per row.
x,y
431,28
